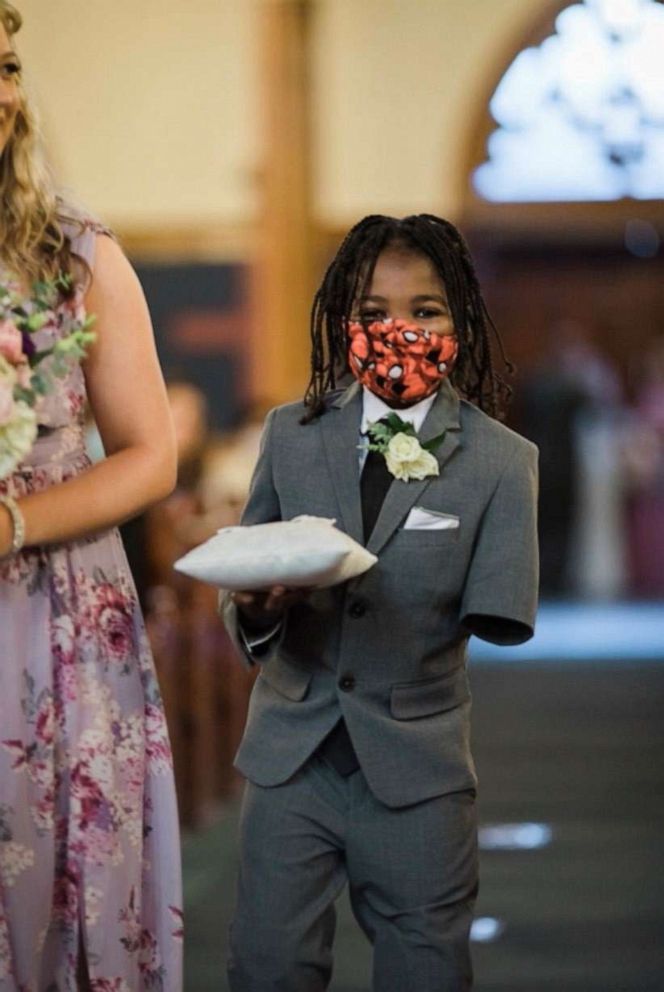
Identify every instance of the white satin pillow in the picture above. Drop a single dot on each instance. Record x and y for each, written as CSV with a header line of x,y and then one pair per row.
x,y
306,551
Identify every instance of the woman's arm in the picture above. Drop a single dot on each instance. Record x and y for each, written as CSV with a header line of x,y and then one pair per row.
x,y
130,406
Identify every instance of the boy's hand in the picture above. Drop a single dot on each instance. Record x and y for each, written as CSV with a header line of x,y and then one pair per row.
x,y
262,608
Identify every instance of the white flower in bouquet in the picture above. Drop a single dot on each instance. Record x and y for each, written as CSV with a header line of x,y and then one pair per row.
x,y
18,422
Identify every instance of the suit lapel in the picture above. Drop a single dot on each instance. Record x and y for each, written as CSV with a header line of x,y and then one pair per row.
x,y
443,417
340,429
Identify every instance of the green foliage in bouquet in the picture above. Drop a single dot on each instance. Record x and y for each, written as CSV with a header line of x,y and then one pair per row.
x,y
29,317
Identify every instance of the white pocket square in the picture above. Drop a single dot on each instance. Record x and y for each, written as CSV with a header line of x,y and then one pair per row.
x,y
421,519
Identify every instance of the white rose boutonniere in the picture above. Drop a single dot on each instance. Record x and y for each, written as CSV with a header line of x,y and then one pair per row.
x,y
406,457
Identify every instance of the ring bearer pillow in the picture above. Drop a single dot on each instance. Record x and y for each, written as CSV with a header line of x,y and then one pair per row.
x,y
303,552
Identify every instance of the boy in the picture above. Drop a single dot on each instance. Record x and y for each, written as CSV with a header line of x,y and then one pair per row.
x,y
356,749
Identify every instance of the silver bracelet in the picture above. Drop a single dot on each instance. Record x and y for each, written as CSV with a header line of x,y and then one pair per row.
x,y
18,523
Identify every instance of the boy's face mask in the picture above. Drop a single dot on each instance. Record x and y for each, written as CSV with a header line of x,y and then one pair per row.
x,y
400,362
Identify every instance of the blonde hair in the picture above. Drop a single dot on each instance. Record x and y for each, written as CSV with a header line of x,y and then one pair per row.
x,y
32,241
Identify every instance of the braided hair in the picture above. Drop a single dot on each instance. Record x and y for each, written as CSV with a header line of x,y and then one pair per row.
x,y
350,272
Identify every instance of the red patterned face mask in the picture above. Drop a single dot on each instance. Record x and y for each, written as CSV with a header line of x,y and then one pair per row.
x,y
400,362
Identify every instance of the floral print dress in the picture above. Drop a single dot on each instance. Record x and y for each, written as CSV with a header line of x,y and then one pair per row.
x,y
89,845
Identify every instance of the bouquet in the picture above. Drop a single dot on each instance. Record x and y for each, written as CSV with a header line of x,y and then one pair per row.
x,y
25,373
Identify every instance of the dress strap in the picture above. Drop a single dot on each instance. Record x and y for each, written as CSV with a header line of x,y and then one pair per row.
x,y
82,231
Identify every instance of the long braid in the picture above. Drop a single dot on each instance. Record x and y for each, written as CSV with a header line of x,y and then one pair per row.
x,y
474,374
333,303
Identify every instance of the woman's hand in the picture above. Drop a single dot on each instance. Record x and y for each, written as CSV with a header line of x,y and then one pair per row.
x,y
263,608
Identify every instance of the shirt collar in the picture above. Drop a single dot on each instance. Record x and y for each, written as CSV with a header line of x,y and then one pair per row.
x,y
373,408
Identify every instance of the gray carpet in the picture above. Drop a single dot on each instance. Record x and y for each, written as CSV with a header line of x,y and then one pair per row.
x,y
577,746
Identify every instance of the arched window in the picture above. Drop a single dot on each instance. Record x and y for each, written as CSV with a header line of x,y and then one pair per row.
x,y
581,116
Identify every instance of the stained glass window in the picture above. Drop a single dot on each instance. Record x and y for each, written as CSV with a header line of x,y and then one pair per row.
x,y
581,116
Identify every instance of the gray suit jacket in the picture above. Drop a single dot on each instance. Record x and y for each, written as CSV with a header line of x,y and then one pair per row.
x,y
388,649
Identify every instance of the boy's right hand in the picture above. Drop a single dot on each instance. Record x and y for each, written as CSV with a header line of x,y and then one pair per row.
x,y
263,608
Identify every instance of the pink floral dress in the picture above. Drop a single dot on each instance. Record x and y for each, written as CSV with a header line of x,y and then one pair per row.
x,y
89,845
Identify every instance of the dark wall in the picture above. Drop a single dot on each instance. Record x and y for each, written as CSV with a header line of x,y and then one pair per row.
x,y
200,316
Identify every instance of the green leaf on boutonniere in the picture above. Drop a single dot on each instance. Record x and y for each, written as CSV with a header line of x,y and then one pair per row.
x,y
379,435
434,443
399,426
383,430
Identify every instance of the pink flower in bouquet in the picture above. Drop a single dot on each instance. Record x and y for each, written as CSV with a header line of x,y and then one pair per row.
x,y
11,342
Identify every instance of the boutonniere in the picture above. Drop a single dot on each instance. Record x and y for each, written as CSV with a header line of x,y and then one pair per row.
x,y
406,457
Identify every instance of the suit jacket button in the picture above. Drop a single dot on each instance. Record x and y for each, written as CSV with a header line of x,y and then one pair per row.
x,y
357,609
347,682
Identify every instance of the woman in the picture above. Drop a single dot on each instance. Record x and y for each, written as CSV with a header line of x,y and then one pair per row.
x,y
357,745
89,854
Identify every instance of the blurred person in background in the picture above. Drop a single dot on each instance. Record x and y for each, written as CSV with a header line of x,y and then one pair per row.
x,y
644,458
545,410
570,405
174,525
229,466
597,567
89,845
205,691
178,609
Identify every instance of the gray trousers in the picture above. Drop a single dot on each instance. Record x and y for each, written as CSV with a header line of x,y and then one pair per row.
x,y
412,876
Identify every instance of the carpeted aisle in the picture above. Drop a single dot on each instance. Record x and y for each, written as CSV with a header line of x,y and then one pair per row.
x,y
579,748
574,747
